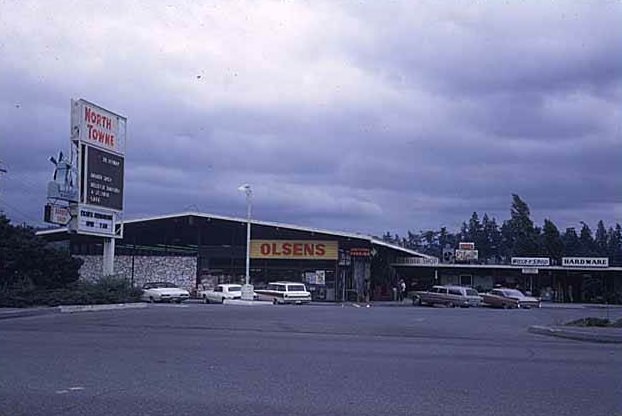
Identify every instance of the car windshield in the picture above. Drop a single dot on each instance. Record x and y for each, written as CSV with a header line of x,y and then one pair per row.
x,y
513,293
295,288
158,285
234,288
472,292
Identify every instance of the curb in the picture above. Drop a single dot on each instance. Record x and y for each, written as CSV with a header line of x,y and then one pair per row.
x,y
579,335
23,313
95,308
239,302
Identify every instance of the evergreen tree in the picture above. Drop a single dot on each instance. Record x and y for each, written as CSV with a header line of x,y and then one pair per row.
x,y
600,239
524,235
572,247
614,245
552,244
28,262
493,237
507,241
475,231
587,247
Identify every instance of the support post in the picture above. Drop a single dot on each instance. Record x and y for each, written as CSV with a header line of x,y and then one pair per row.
x,y
247,289
108,263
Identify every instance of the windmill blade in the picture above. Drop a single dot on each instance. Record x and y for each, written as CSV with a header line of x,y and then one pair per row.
x,y
60,156
51,159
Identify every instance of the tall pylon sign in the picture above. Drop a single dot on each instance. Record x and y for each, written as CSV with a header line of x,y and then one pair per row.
x,y
86,193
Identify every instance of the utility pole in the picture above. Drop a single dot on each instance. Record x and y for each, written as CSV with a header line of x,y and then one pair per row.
x,y
2,170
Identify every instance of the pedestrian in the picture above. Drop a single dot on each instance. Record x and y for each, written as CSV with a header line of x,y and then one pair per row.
x,y
402,289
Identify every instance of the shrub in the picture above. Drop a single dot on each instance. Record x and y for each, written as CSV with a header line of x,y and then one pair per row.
x,y
106,290
587,322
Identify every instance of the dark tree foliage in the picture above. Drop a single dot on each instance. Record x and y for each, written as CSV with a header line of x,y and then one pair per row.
x,y
27,262
572,246
600,239
552,244
518,236
614,245
587,246
523,233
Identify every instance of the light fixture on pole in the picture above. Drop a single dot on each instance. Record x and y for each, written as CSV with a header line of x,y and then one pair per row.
x,y
247,289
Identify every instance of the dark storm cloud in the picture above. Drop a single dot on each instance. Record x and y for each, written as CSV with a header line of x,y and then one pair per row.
x,y
357,116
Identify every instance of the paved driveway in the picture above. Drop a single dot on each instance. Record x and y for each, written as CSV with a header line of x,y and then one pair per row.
x,y
303,360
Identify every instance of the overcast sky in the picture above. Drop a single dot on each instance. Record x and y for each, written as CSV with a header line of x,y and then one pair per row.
x,y
364,116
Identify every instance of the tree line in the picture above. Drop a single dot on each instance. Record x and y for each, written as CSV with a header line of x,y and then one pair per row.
x,y
518,236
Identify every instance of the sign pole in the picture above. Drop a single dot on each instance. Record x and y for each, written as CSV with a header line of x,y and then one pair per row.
x,y
108,261
247,289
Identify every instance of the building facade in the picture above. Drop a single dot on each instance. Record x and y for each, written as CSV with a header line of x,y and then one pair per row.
x,y
197,250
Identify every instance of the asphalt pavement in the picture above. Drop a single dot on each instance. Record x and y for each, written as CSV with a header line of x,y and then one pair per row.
x,y
304,360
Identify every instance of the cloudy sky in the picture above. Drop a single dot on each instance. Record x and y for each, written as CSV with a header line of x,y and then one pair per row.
x,y
365,116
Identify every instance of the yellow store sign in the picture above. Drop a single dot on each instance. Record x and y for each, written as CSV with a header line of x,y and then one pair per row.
x,y
294,249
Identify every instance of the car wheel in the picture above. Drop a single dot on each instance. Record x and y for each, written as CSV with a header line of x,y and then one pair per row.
x,y
223,300
451,305
506,306
151,299
275,301
205,299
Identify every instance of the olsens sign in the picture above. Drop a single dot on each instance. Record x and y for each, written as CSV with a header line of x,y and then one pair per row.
x,y
294,249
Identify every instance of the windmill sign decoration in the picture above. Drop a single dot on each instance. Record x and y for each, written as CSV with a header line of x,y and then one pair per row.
x,y
63,184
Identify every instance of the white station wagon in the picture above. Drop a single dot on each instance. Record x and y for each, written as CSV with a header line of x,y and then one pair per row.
x,y
285,292
221,293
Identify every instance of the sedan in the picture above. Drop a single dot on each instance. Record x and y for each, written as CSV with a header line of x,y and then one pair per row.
x,y
510,298
163,292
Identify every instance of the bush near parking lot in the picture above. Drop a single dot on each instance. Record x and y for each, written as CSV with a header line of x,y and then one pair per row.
x,y
595,322
34,273
106,290
27,261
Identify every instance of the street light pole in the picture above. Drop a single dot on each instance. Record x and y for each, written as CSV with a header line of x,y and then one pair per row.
x,y
247,289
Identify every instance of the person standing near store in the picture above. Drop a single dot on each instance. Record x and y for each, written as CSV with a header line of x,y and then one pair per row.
x,y
402,289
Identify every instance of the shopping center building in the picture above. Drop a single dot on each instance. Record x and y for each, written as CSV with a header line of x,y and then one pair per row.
x,y
587,282
195,250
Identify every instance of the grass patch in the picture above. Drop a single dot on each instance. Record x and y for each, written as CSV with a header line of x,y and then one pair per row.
x,y
595,322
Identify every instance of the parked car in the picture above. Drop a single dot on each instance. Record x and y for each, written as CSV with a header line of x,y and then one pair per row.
x,y
221,293
510,298
450,296
284,292
163,292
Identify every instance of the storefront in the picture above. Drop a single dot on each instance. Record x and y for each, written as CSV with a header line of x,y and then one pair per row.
x,y
551,283
196,250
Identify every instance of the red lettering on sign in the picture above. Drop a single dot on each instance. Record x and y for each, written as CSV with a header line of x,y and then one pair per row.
x,y
265,249
297,249
309,249
287,249
275,250
320,249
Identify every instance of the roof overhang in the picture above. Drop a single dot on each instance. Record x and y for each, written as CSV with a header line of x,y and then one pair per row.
x,y
506,267
357,236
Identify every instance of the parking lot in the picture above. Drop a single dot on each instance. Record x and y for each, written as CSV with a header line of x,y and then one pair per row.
x,y
308,360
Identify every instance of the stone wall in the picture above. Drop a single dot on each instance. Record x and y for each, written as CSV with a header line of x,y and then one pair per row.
x,y
181,271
